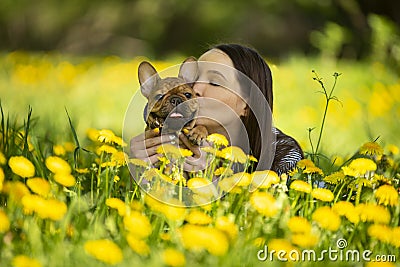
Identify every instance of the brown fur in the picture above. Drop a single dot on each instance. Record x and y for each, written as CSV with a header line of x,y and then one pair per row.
x,y
175,92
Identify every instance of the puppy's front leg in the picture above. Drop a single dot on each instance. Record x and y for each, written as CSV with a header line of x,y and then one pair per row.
x,y
197,134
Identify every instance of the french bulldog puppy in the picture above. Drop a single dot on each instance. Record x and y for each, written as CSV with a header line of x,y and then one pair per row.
x,y
172,105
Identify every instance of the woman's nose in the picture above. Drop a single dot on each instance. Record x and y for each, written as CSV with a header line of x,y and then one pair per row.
x,y
199,87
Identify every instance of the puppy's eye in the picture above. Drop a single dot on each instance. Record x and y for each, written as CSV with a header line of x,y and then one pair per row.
x,y
158,97
188,95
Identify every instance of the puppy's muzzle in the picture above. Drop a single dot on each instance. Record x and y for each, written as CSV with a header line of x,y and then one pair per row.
x,y
175,101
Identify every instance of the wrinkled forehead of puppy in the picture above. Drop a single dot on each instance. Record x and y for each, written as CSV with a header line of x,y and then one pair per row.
x,y
151,82
171,85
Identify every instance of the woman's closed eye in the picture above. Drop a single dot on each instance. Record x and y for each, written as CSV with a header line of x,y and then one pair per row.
x,y
213,83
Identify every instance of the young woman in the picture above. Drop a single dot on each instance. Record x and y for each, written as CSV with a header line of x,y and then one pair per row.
x,y
234,89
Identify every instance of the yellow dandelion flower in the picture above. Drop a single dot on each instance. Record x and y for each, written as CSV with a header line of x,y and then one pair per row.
x,y
395,240
343,207
104,250
326,218
4,222
21,166
335,178
106,136
298,224
69,146
138,245
371,148
116,179
82,170
202,201
370,212
359,167
283,245
2,177
242,179
197,238
16,190
118,140
106,149
93,134
136,205
227,226
337,160
305,240
264,179
39,186
381,232
174,152
377,178
45,208
57,165
226,184
301,186
119,158
322,194
223,171
234,154
165,236
202,186
25,261
313,169
387,195
217,139
393,149
138,162
379,264
55,210
198,217
164,160
117,204
347,209
252,158
65,179
305,163
171,208
167,178
3,159
173,257
174,210
59,150
264,203
137,224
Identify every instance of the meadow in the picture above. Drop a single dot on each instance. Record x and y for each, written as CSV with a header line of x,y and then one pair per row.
x,y
67,197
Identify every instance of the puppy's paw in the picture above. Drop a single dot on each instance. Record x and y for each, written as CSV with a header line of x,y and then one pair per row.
x,y
198,134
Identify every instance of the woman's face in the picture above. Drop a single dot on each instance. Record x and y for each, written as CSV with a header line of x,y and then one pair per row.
x,y
218,88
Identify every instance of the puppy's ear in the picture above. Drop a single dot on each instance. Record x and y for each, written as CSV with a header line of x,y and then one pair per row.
x,y
189,70
148,78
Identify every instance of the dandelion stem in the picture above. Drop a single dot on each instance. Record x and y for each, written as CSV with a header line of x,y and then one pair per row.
x,y
338,193
328,98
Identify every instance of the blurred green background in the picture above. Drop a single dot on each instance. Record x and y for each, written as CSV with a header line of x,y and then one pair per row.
x,y
83,56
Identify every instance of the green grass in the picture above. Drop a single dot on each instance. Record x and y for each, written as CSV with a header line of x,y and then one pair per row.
x,y
97,92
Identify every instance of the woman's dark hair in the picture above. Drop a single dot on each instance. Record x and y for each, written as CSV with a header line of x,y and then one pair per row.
x,y
249,62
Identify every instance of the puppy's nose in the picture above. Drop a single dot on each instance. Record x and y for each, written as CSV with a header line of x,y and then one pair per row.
x,y
175,101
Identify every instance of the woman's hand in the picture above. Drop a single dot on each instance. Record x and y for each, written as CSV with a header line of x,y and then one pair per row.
x,y
144,146
198,161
